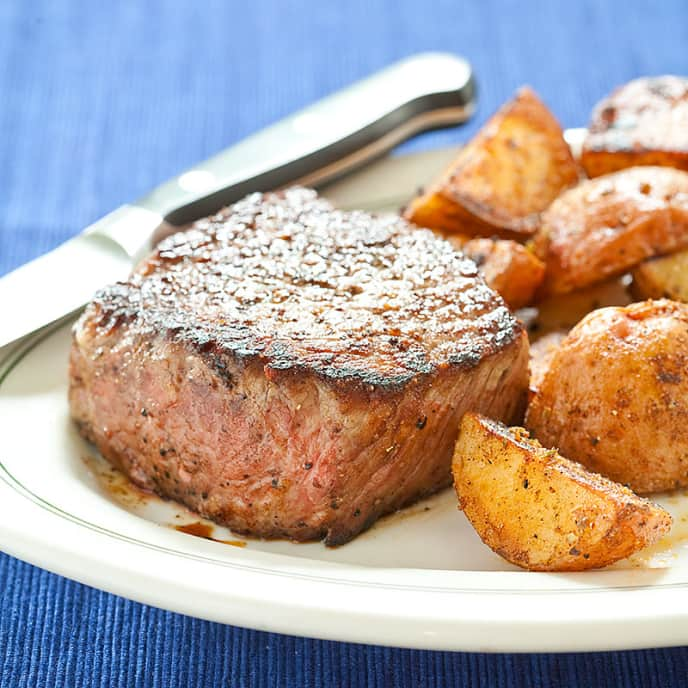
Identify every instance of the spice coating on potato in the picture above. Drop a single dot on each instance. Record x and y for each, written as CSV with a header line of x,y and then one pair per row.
x,y
541,511
504,177
507,266
663,277
607,225
615,395
644,122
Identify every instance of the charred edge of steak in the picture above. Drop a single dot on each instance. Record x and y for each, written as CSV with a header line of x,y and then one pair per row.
x,y
278,359
286,279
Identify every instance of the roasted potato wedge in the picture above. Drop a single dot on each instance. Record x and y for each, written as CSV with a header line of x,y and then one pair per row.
x,y
541,511
507,266
663,277
615,395
644,122
504,178
605,226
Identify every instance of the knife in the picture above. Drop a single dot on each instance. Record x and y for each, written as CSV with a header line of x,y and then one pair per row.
x,y
311,147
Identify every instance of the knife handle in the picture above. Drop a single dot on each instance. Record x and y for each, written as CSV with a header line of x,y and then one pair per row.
x,y
327,139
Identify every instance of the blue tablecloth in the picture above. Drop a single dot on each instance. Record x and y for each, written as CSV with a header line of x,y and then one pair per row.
x,y
101,101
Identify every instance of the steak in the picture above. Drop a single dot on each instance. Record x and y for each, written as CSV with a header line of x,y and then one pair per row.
x,y
291,370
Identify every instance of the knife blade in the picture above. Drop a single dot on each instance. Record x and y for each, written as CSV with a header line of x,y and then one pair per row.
x,y
313,146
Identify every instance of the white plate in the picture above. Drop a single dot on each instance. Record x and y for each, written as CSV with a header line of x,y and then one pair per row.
x,y
419,579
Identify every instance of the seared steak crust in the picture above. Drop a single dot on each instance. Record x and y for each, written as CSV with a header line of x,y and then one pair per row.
x,y
288,369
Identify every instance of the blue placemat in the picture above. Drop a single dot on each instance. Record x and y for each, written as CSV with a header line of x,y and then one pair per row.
x,y
101,101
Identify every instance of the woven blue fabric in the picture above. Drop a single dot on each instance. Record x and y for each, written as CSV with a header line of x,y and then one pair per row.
x,y
101,101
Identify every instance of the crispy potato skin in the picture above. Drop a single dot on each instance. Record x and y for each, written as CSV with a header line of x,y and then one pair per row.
x,y
504,178
615,395
507,266
436,209
605,226
663,277
541,511
644,122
